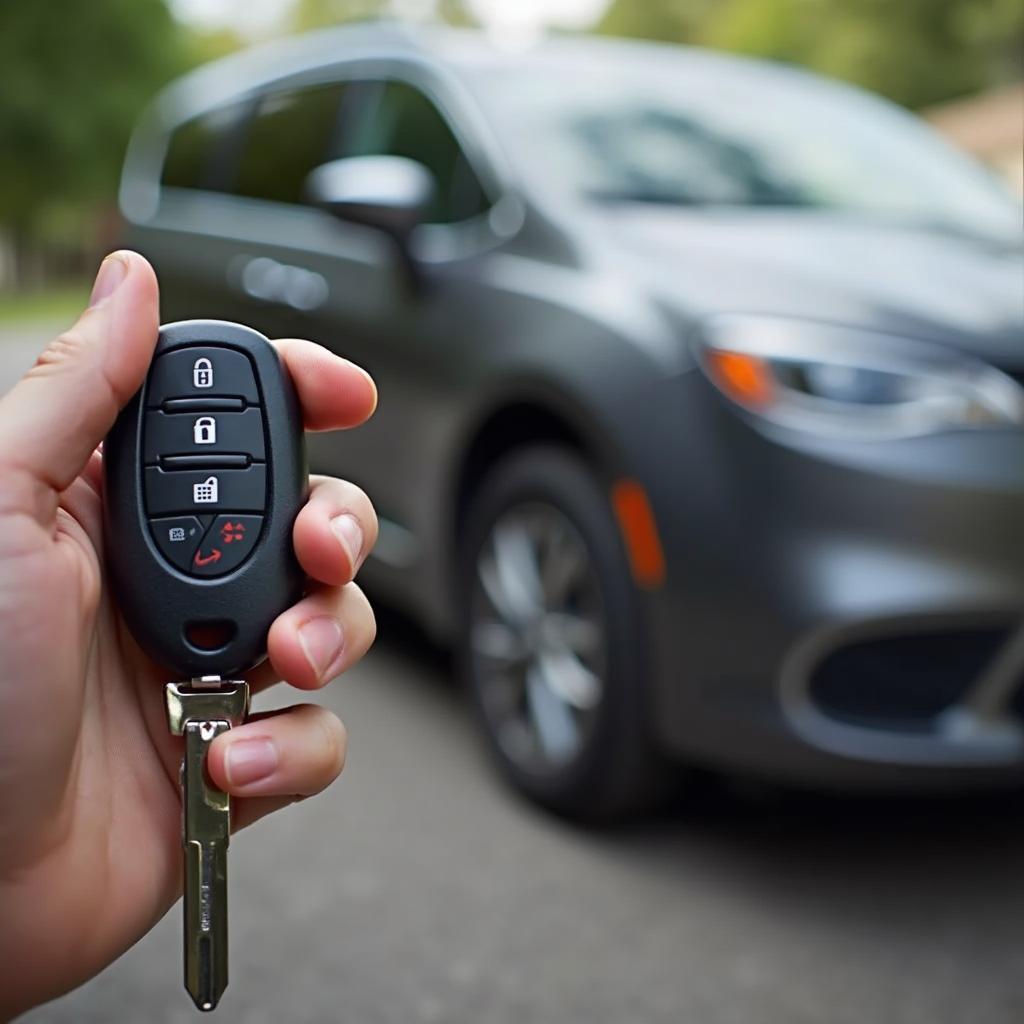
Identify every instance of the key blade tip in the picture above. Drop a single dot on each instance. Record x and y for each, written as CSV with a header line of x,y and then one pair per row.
x,y
206,999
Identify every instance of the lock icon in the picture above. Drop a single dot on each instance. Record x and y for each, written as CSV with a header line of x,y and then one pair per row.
x,y
202,373
204,431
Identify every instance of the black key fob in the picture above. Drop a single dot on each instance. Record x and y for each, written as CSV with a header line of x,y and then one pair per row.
x,y
205,471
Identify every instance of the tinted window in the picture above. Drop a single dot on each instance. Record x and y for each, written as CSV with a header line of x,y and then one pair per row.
x,y
707,131
292,133
202,152
403,122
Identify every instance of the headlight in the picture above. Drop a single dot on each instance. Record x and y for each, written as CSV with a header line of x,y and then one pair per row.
x,y
843,382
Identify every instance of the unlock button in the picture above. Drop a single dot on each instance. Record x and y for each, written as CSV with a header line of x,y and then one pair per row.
x,y
204,430
215,433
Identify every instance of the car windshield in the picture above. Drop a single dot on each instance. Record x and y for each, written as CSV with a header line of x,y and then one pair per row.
x,y
701,130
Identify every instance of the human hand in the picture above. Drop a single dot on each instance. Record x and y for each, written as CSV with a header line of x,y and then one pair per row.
x,y
90,845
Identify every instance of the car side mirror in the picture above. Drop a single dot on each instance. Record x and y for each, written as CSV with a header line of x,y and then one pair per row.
x,y
389,193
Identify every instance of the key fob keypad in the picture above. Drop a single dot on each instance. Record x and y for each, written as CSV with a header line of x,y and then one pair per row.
x,y
205,473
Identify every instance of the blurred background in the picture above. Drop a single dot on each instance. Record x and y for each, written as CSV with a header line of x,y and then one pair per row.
x,y
69,105
754,692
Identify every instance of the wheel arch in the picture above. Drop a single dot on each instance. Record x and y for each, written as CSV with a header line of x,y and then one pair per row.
x,y
515,422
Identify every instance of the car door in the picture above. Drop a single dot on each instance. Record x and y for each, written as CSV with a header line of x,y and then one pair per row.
x,y
406,333
234,239
412,340
233,235
237,240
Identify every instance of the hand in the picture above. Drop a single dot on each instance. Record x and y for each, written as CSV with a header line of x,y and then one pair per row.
x,y
90,848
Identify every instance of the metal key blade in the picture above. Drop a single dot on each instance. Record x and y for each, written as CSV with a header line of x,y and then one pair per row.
x,y
206,832
200,712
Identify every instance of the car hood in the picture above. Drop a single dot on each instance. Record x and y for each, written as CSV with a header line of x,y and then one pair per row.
x,y
924,282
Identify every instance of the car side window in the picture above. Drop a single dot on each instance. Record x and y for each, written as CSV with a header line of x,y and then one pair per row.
x,y
292,132
402,121
202,153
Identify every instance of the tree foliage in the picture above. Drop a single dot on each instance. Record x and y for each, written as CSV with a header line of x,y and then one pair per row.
x,y
309,14
916,52
73,77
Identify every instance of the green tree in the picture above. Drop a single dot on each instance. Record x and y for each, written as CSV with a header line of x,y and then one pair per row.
x,y
310,14
916,52
674,21
73,77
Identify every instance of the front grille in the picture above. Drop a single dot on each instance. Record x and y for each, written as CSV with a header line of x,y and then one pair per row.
x,y
902,682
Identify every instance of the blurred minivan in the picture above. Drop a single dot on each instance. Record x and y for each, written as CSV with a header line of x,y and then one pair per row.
x,y
701,431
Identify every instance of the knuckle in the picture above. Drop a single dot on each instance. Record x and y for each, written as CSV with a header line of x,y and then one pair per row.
x,y
62,350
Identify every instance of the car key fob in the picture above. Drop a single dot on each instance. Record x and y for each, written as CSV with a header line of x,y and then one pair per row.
x,y
205,471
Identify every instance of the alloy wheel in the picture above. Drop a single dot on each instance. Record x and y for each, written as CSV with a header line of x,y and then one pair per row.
x,y
538,639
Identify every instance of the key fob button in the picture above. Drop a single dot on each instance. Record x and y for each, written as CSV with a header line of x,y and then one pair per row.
x,y
208,490
227,544
201,372
178,538
203,433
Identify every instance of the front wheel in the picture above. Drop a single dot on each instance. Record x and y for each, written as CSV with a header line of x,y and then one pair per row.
x,y
551,640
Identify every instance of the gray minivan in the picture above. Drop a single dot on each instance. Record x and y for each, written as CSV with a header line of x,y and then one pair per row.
x,y
701,432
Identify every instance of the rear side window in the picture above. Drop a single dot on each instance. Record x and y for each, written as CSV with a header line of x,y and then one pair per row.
x,y
202,153
404,122
292,133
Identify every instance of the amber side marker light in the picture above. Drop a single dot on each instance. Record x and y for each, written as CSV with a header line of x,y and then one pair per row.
x,y
640,532
744,378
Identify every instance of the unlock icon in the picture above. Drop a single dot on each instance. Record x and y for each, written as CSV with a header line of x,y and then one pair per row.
x,y
204,430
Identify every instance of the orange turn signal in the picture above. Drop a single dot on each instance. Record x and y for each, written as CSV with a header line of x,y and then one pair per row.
x,y
640,532
744,378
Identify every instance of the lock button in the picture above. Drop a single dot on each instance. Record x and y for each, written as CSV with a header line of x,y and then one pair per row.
x,y
213,433
203,371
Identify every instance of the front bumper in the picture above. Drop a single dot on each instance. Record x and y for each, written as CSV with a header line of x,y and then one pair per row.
x,y
841,612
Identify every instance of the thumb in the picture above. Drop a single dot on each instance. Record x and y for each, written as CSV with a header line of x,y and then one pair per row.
x,y
54,417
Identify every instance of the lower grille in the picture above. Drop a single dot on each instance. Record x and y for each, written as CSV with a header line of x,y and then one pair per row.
x,y
903,682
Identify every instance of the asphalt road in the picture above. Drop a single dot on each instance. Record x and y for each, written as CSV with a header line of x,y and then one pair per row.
x,y
419,890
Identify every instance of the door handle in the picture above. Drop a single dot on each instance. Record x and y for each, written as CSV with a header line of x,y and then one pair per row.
x,y
270,281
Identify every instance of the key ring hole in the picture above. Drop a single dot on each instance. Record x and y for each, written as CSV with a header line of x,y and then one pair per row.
x,y
210,637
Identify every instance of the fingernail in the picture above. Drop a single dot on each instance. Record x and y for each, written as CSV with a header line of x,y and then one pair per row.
x,y
347,529
112,272
321,642
249,761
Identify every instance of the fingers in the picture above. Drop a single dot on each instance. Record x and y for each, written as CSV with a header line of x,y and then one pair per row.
x,y
318,638
54,418
333,392
335,531
299,751
329,631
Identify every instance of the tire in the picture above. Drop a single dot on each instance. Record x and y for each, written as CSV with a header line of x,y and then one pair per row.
x,y
543,506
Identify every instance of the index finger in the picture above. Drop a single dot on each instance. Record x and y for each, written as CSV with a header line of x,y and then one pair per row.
x,y
333,392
